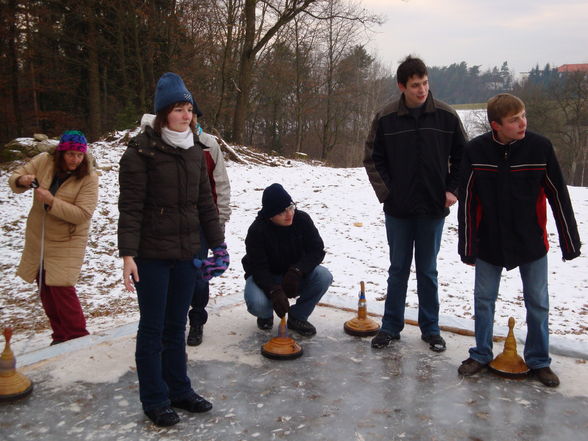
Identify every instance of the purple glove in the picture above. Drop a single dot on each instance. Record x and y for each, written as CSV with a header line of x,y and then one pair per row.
x,y
215,265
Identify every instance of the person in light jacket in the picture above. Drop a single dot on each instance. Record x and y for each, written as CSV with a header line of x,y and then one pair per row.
x,y
221,193
65,189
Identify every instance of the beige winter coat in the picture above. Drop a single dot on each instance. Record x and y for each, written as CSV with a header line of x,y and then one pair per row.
x,y
66,224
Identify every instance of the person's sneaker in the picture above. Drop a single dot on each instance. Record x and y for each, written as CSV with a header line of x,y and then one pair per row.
x,y
303,327
195,335
546,376
265,323
194,403
383,339
436,342
163,416
470,367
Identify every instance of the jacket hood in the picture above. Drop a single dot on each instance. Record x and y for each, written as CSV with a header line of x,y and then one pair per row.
x,y
147,120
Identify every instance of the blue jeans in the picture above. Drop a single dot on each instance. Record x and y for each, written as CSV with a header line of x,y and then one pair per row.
x,y
424,234
312,287
534,277
164,293
198,315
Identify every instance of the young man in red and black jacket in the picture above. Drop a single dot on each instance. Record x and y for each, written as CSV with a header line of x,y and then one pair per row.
x,y
507,176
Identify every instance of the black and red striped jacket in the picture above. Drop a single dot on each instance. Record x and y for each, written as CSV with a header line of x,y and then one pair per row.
x,y
502,202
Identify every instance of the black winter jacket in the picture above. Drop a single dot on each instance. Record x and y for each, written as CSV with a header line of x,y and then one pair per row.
x,y
165,199
411,162
502,206
271,249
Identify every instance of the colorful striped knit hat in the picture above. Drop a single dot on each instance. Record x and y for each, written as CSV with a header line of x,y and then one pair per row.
x,y
73,140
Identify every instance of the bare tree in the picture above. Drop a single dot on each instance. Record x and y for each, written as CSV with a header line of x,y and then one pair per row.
x,y
571,98
260,30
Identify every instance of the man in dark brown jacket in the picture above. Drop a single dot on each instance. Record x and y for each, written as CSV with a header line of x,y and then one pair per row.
x,y
412,157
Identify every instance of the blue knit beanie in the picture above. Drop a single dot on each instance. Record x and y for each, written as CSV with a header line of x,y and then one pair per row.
x,y
171,89
274,200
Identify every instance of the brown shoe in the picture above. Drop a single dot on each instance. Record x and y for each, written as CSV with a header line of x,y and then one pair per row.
x,y
546,376
470,367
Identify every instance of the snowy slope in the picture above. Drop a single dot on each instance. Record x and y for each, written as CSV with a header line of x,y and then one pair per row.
x,y
349,218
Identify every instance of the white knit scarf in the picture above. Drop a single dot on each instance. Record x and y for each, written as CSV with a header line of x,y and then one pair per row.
x,y
183,140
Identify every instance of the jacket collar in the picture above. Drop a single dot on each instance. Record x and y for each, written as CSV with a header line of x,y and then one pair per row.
x,y
155,141
428,106
495,139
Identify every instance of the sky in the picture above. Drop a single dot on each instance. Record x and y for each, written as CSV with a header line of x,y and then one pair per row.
x,y
524,32
350,220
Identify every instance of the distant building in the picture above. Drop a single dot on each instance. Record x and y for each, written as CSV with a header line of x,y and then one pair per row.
x,y
573,68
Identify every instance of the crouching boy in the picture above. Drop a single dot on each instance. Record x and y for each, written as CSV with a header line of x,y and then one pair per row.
x,y
283,255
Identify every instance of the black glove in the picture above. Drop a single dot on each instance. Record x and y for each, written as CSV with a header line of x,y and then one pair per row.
x,y
291,281
279,301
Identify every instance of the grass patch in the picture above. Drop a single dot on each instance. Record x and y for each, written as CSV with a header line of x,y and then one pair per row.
x,y
470,106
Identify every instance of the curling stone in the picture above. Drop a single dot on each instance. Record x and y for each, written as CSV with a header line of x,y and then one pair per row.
x,y
361,326
282,347
509,363
13,384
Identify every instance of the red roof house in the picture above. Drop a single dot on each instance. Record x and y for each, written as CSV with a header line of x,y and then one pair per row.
x,y
573,68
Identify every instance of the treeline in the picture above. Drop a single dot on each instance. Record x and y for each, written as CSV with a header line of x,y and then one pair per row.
x,y
557,107
285,76
281,75
460,84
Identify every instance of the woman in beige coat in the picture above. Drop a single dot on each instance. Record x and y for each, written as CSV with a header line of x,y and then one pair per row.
x,y
66,194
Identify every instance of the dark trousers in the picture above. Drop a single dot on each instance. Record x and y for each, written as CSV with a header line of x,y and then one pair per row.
x,y
198,315
62,306
423,236
164,293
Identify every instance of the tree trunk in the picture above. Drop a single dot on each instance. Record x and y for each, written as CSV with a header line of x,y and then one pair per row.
x,y
122,17
245,73
298,93
13,57
139,63
223,74
94,110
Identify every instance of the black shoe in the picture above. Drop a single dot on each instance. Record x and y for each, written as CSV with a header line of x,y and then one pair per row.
x,y
265,324
195,335
383,339
436,342
470,367
163,416
303,327
194,404
546,376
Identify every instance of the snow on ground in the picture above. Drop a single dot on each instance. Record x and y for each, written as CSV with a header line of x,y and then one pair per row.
x,y
349,218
